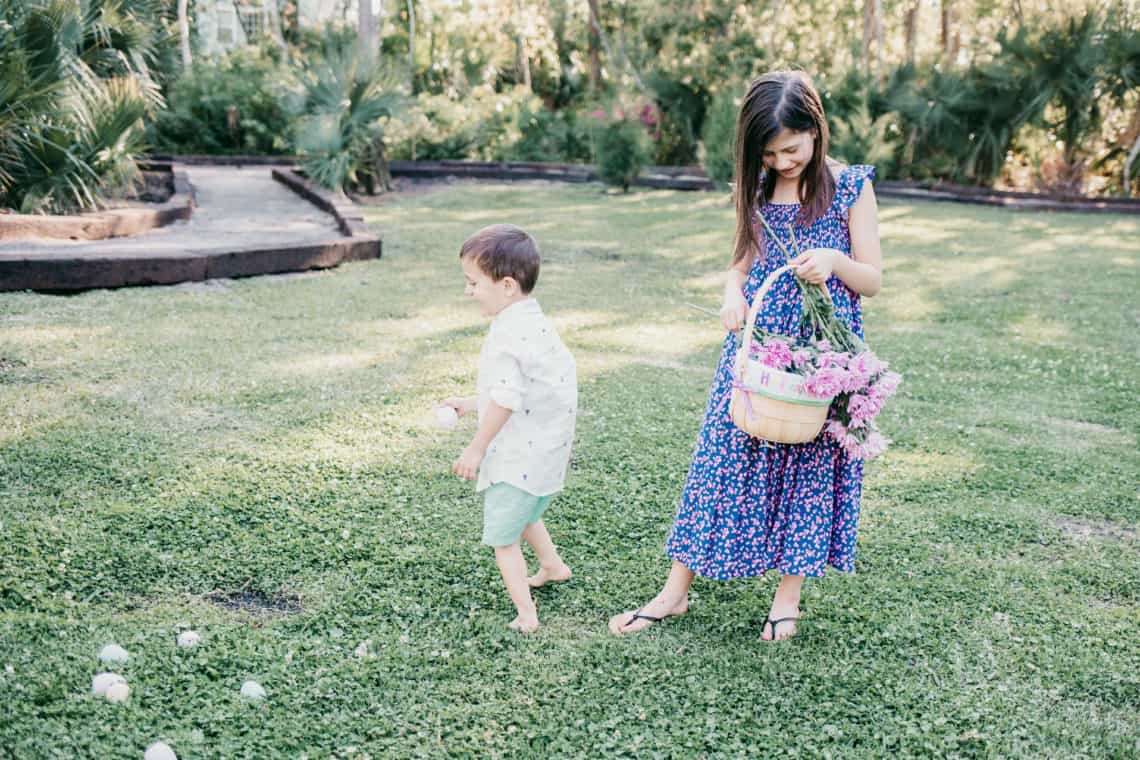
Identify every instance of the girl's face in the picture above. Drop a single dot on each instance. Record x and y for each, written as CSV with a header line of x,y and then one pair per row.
x,y
789,153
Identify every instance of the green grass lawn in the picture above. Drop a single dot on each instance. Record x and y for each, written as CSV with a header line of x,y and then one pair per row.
x,y
163,447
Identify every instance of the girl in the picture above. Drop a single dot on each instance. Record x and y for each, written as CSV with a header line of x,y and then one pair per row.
x,y
749,506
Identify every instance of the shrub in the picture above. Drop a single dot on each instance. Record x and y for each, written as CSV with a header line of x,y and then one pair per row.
x,y
622,151
719,137
228,104
74,88
338,130
550,136
481,126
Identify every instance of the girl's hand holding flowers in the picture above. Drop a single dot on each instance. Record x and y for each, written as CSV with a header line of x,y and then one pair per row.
x,y
815,265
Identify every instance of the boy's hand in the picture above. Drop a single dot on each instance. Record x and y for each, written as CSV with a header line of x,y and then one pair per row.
x,y
461,405
468,463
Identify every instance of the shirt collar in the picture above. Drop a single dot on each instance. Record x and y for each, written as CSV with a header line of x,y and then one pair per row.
x,y
517,310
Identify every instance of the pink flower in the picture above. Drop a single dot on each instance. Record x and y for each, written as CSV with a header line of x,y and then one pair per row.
x,y
836,430
866,364
825,382
823,345
833,359
887,384
776,354
800,357
874,445
851,447
598,113
862,409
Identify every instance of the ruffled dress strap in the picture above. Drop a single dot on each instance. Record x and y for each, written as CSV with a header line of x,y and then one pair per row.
x,y
850,185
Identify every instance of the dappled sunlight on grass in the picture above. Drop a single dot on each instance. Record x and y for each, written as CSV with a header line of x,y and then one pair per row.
x,y
279,435
1040,331
665,340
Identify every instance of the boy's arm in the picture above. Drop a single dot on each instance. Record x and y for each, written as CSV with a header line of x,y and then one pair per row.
x,y
493,420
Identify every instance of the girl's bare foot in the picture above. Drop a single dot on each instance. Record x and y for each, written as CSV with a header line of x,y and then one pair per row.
x,y
640,619
552,575
524,625
781,622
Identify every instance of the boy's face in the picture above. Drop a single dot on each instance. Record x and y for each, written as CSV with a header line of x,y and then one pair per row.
x,y
491,296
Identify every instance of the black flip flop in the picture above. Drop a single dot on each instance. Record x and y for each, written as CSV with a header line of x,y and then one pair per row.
x,y
636,615
774,623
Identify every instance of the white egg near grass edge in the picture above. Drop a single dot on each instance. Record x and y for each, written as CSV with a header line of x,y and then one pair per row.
x,y
159,751
118,692
446,417
103,681
188,639
252,690
113,653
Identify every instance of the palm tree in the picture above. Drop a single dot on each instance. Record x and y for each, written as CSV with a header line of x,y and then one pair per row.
x,y
338,130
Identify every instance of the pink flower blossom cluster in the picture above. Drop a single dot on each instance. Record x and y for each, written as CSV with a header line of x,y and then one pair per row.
x,y
858,386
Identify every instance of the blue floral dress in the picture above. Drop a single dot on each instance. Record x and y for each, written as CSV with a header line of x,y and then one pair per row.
x,y
750,506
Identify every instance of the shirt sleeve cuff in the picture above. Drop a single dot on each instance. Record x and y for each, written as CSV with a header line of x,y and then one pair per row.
x,y
507,398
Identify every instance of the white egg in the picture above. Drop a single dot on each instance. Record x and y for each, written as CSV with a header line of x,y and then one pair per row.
x,y
118,692
103,681
159,751
113,653
188,639
252,690
446,416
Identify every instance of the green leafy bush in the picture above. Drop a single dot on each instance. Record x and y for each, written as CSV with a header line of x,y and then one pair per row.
x,y
74,87
339,131
550,136
483,125
719,137
228,104
622,151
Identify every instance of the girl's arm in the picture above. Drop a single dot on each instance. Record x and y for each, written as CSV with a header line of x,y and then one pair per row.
x,y
734,312
863,271
493,420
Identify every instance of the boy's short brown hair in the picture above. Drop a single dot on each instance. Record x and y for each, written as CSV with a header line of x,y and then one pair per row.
x,y
504,250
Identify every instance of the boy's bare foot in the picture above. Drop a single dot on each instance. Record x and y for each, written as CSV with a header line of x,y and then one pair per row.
x,y
555,575
640,619
524,625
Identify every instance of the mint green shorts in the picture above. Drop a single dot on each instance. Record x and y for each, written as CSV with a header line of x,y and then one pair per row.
x,y
507,511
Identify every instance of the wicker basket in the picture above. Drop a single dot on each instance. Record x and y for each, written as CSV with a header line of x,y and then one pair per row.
x,y
767,403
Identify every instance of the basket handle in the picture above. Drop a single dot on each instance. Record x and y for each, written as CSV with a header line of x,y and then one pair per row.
x,y
754,310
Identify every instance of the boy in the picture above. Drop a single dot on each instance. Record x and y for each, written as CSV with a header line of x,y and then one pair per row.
x,y
527,400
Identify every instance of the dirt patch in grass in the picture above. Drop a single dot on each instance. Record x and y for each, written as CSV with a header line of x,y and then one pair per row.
x,y
257,602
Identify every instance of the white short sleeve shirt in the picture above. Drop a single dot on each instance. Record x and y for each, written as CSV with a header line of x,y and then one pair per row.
x,y
525,367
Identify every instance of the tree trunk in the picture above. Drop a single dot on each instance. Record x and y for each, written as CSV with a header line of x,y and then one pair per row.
x,y
184,33
412,43
522,60
910,27
366,29
595,46
948,34
381,168
879,41
1132,155
868,33
275,25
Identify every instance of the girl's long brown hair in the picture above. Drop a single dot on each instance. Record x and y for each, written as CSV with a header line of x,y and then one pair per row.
x,y
777,101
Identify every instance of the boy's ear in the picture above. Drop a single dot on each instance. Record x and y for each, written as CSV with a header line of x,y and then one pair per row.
x,y
512,285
